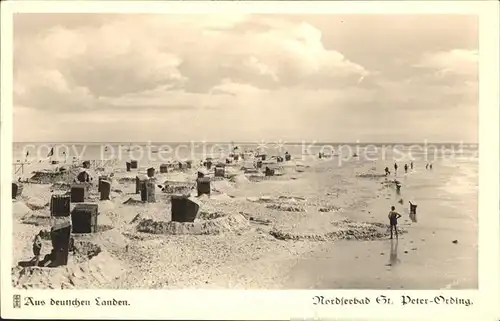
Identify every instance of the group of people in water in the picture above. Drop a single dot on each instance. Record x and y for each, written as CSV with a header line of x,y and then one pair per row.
x,y
428,166
393,215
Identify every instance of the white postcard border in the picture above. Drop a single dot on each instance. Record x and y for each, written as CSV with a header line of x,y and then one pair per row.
x,y
286,304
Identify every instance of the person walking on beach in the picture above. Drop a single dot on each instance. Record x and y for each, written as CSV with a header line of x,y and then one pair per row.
x,y
393,220
413,208
413,212
396,168
387,171
398,188
406,168
411,165
37,247
427,166
430,166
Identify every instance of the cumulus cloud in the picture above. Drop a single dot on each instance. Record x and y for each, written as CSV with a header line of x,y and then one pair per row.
x,y
455,62
198,69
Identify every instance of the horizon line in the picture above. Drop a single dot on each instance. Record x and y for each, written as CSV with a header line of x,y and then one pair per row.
x,y
243,142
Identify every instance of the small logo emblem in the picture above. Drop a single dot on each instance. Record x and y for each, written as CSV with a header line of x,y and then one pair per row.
x,y
16,298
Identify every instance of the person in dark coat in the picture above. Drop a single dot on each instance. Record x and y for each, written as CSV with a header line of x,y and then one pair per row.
x,y
37,247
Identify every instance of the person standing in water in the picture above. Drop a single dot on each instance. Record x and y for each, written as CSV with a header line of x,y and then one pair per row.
x,y
411,165
413,212
387,171
393,220
430,166
427,166
406,168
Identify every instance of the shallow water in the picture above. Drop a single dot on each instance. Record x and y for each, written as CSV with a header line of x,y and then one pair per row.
x,y
425,257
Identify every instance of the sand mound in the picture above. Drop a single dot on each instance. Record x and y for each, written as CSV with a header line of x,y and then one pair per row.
x,y
222,186
210,215
351,230
287,204
50,176
132,201
284,236
262,199
344,230
126,179
370,175
36,219
35,203
218,225
255,178
330,208
286,207
101,270
110,239
175,187
61,185
19,209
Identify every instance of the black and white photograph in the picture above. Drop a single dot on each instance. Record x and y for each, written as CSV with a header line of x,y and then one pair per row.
x,y
245,151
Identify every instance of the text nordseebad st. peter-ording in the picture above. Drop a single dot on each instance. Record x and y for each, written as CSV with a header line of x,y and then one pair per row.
x,y
405,300
106,302
438,300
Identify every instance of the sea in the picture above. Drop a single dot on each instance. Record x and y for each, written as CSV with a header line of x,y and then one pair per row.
x,y
157,152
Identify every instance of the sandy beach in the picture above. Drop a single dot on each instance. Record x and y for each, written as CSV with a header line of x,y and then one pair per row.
x,y
317,223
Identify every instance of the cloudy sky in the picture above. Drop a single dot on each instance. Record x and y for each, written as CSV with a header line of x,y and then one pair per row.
x,y
336,78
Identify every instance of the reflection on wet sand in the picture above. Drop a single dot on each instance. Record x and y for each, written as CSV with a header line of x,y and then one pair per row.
x,y
393,258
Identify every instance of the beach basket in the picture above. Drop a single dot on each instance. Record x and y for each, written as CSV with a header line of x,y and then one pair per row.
x,y
151,172
105,190
133,164
139,180
259,164
288,157
219,171
163,168
208,165
84,218
17,189
203,186
78,193
148,192
86,164
189,164
128,166
101,178
60,205
263,157
183,209
236,157
60,235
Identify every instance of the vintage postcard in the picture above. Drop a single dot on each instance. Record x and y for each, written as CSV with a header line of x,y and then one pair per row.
x,y
250,160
